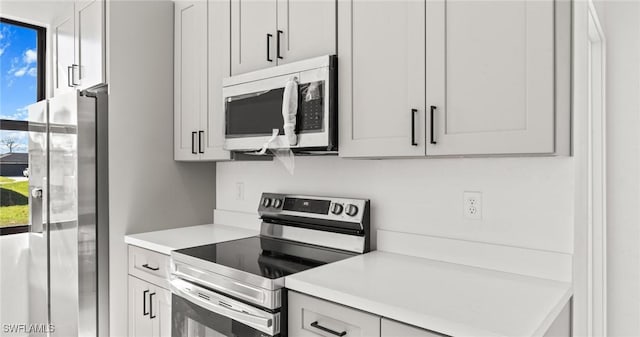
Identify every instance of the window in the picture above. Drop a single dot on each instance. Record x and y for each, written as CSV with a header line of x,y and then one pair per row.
x,y
22,82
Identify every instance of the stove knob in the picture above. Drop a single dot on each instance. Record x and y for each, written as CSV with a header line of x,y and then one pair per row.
x,y
277,203
337,209
266,202
352,210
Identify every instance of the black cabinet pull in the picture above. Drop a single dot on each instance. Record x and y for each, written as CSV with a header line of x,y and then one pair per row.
x,y
269,36
152,316
200,133
146,265
413,127
433,128
320,327
69,80
193,143
144,302
278,44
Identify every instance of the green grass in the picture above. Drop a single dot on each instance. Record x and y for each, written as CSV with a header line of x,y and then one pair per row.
x,y
14,202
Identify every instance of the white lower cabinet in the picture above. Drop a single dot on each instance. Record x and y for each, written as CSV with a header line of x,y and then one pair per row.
x,y
149,304
390,328
310,316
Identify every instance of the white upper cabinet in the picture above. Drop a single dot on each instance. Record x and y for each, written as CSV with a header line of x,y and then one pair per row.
x,y
306,29
201,61
78,41
90,38
190,76
491,77
253,35
265,33
63,52
381,61
218,68
454,78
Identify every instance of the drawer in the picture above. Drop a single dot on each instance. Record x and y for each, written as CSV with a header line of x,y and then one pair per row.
x,y
149,266
310,316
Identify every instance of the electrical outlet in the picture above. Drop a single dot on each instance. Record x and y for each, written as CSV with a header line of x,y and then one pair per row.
x,y
240,191
472,203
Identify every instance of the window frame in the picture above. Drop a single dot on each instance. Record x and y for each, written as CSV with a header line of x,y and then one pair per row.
x,y
41,46
41,76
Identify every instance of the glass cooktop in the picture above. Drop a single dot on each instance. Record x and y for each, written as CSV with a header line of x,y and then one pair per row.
x,y
266,257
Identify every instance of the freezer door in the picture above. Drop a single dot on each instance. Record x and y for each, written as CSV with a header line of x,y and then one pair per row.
x,y
38,238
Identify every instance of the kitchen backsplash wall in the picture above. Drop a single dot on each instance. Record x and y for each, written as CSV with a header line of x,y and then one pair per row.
x,y
526,202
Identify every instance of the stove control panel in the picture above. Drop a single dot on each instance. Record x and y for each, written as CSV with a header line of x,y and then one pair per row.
x,y
329,208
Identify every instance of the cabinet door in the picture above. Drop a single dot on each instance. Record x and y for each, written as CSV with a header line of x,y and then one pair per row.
x,y
307,29
190,76
64,52
253,35
391,328
490,75
381,55
90,39
139,323
310,316
160,312
219,67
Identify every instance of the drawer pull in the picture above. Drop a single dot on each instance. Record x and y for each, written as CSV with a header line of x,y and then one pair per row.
x,y
320,327
146,265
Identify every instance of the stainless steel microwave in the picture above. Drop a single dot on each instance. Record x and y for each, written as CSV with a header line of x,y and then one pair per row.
x,y
254,104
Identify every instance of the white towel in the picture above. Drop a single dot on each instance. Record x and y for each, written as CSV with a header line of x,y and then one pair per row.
x,y
289,110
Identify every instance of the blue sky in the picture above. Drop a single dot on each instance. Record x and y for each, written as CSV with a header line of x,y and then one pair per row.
x,y
18,70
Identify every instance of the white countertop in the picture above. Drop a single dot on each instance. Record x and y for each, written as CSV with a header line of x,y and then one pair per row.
x,y
165,241
449,298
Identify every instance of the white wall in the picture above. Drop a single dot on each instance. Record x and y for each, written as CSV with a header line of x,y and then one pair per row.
x,y
622,32
14,276
148,189
527,202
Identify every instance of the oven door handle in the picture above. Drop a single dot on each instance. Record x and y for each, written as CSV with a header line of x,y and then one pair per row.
x,y
220,305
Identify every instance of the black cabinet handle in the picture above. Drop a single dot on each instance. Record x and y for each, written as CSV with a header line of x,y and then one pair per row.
x,y
193,143
200,133
320,327
144,302
146,265
69,80
152,316
413,127
269,36
433,128
278,44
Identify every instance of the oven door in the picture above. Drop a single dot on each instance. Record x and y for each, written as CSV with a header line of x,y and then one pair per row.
x,y
254,109
199,312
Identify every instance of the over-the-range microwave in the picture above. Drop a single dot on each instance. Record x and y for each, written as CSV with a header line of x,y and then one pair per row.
x,y
254,102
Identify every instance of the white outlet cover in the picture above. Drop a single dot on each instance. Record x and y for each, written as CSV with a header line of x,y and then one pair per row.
x,y
240,191
472,205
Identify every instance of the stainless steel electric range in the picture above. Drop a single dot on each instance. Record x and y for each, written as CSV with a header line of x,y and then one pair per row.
x,y
236,288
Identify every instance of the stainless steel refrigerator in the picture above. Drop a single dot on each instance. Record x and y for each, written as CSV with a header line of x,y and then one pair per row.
x,y
69,215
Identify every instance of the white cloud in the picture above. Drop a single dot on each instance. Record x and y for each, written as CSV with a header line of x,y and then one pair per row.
x,y
3,47
33,71
20,72
30,56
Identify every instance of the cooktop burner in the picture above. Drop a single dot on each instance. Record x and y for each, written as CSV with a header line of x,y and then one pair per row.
x,y
266,257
